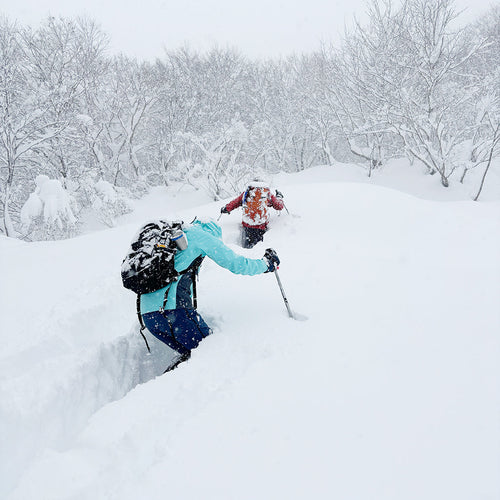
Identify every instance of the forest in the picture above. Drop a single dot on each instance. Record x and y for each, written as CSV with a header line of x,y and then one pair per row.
x,y
83,130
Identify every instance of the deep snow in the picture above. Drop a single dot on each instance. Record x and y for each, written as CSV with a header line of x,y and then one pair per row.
x,y
389,390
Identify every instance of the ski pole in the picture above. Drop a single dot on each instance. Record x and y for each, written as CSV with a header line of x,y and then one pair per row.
x,y
283,294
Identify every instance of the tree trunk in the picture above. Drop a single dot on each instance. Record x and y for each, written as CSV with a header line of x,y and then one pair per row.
x,y
7,221
462,179
494,142
484,175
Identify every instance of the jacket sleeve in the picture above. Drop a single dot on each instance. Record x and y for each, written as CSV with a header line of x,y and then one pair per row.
x,y
275,202
216,250
235,203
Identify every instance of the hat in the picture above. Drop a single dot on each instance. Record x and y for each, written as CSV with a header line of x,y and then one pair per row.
x,y
258,183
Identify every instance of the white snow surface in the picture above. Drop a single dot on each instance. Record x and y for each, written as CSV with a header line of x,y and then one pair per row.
x,y
388,389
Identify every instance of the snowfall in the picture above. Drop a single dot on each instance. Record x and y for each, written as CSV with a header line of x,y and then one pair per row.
x,y
386,385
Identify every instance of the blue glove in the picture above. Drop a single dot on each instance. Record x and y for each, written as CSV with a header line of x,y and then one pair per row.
x,y
271,259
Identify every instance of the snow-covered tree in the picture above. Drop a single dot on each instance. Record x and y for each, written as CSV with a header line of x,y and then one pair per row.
x,y
482,145
278,99
26,125
433,90
48,213
176,111
406,83
314,82
110,202
57,54
45,75
117,111
219,167
361,88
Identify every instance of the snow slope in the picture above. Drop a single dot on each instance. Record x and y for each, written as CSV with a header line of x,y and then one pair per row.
x,y
389,390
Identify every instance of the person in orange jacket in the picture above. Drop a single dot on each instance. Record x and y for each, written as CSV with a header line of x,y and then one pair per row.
x,y
255,201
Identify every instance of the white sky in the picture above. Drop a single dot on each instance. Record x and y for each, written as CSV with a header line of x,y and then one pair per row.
x,y
258,28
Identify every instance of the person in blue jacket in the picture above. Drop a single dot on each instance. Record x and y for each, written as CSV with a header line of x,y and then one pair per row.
x,y
169,313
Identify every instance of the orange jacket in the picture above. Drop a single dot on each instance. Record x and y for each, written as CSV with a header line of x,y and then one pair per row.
x,y
256,203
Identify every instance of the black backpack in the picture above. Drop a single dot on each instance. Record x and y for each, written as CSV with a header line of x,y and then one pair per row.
x,y
149,263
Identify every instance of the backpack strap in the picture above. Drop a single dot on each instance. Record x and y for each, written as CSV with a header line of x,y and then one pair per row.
x,y
195,266
193,269
141,322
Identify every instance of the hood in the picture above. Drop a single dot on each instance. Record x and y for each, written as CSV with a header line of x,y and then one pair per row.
x,y
208,225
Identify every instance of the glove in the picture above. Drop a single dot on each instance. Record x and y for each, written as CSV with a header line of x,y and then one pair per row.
x,y
279,194
224,210
271,259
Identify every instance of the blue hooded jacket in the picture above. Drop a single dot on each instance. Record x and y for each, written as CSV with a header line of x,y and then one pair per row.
x,y
204,239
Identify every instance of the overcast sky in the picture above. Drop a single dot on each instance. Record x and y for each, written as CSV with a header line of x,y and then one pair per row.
x,y
257,28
